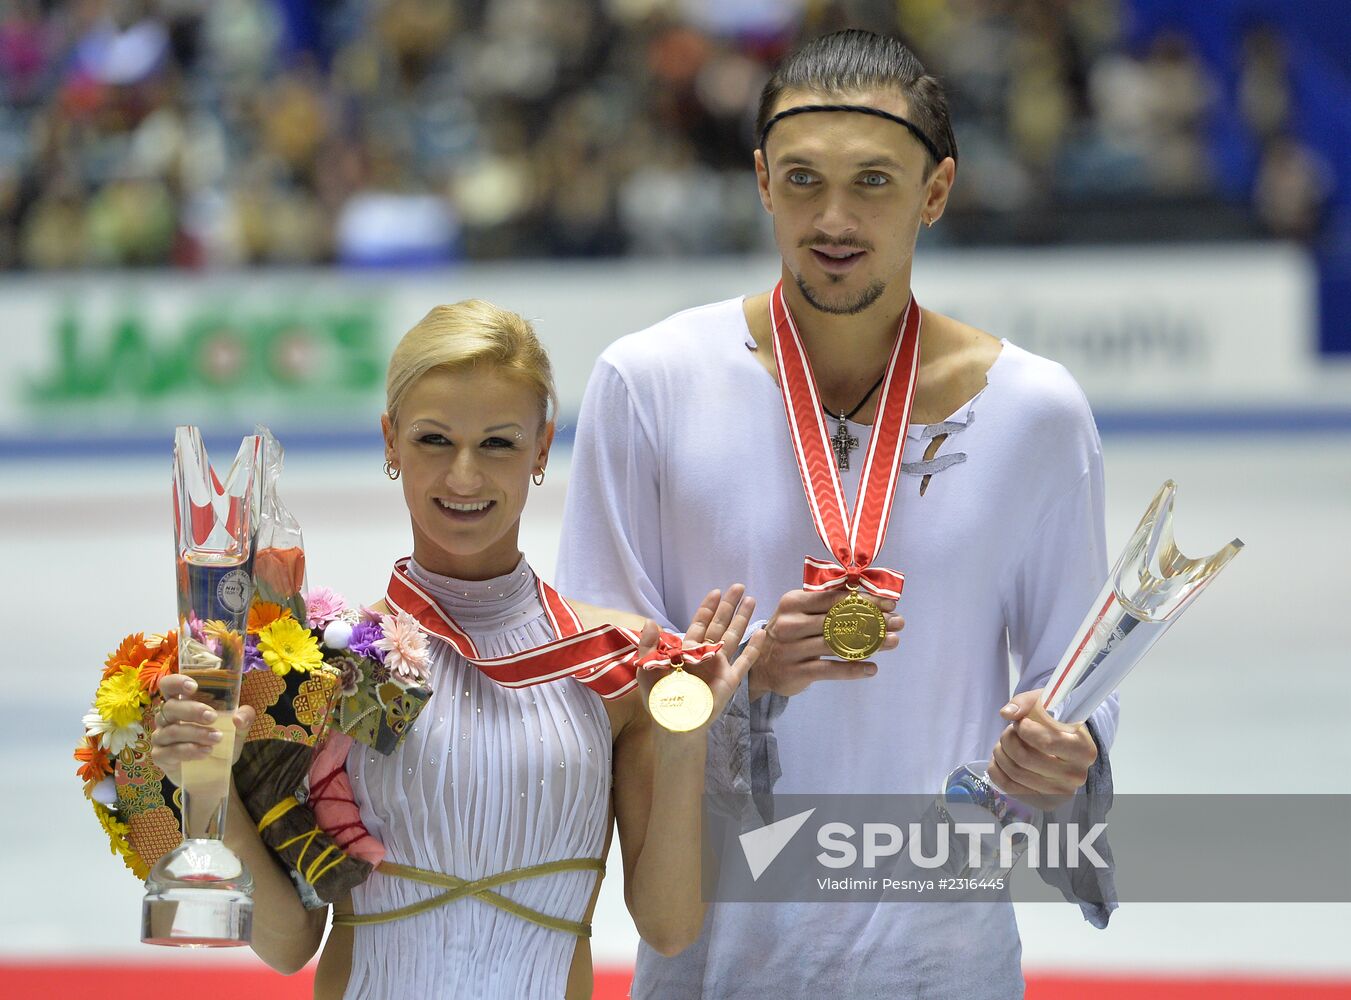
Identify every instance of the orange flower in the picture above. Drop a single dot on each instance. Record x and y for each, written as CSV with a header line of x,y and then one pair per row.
x,y
164,646
163,661
264,613
153,672
98,763
184,583
281,571
131,653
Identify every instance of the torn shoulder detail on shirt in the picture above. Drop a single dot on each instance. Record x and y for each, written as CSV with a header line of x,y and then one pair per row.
x,y
936,435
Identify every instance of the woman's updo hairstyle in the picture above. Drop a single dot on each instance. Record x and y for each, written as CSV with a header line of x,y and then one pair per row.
x,y
470,334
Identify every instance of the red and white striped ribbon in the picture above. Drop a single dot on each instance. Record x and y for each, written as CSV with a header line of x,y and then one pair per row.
x,y
853,541
605,658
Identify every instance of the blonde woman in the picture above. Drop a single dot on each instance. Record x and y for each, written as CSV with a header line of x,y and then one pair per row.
x,y
492,778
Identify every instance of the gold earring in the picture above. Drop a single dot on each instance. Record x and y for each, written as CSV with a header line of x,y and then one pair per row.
x,y
538,478
929,223
391,470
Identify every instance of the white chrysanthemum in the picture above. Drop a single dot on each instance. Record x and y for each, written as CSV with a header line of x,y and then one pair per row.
x,y
112,738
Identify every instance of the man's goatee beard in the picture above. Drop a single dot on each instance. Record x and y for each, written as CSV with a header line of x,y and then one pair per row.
x,y
857,304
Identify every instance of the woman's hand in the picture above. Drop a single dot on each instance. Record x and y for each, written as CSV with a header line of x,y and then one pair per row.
x,y
183,728
719,618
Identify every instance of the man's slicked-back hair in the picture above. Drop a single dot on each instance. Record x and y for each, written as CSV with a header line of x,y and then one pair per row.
x,y
852,60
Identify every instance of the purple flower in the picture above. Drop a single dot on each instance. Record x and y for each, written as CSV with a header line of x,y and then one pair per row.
x,y
253,660
364,636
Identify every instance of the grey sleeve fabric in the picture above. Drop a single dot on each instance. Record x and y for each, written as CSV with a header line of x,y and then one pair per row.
x,y
743,753
656,977
1092,888
764,750
728,768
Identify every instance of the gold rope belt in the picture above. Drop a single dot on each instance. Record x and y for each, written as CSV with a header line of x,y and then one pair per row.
x,y
458,888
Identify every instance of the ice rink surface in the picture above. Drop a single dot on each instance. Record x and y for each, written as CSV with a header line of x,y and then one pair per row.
x,y
1251,692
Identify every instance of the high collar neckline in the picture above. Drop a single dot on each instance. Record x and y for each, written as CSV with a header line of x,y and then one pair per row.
x,y
479,601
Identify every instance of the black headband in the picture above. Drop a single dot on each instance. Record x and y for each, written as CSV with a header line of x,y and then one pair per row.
x,y
862,109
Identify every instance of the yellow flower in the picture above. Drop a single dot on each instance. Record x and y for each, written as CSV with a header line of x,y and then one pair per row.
x,y
286,645
117,840
134,862
121,698
112,826
217,629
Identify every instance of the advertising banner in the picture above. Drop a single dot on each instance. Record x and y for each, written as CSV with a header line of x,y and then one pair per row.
x,y
126,355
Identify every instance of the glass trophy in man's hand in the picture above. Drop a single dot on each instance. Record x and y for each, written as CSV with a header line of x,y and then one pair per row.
x,y
1150,586
200,894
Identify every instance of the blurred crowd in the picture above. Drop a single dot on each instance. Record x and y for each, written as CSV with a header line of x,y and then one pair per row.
x,y
224,132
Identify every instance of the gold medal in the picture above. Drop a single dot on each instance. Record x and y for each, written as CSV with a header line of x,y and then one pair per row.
x,y
680,701
855,628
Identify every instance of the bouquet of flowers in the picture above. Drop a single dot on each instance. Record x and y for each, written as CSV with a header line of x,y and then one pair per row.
x,y
317,671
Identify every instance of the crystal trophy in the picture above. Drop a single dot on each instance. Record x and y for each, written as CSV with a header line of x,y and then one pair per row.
x,y
278,552
200,894
1150,586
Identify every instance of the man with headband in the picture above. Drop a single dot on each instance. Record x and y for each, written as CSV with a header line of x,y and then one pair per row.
x,y
894,447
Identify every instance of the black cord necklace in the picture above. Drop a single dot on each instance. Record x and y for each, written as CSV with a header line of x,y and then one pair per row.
x,y
843,442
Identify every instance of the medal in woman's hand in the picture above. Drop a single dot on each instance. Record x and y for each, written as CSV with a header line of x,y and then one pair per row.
x,y
680,701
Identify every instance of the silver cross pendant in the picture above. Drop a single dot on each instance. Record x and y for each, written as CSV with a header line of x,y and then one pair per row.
x,y
843,442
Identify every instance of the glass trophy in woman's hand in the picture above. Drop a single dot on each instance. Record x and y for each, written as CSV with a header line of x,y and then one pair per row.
x,y
1150,586
200,894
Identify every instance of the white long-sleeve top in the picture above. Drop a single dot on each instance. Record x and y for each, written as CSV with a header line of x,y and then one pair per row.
x,y
487,779
684,479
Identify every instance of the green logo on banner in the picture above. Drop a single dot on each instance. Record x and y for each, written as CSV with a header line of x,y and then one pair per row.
x,y
319,355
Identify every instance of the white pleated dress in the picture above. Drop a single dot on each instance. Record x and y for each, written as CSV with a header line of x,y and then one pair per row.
x,y
487,779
